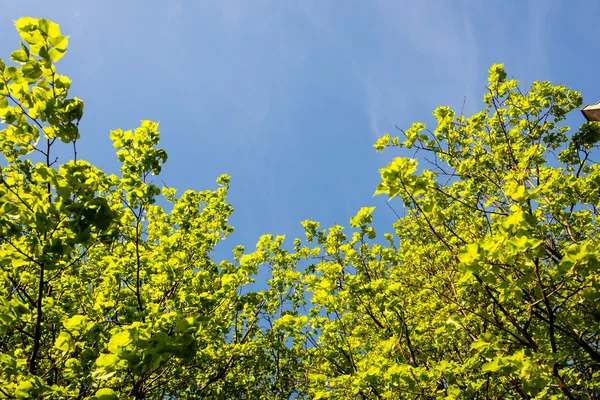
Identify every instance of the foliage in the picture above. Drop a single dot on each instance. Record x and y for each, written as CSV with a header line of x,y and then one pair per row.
x,y
104,293
488,288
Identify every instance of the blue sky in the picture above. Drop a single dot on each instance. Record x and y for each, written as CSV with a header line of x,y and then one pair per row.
x,y
287,97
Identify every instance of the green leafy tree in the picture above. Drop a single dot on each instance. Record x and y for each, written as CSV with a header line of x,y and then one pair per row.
x,y
103,293
490,287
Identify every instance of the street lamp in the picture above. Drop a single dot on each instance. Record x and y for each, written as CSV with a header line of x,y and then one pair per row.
x,y
592,113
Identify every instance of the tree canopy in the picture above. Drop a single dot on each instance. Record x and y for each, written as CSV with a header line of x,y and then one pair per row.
x,y
487,288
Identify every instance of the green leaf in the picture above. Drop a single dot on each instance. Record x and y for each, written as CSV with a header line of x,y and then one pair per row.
x,y
76,322
64,342
107,364
43,52
20,56
185,325
106,394
469,253
56,54
32,70
26,24
118,341
62,82
59,42
29,389
492,366
25,390
107,360
48,28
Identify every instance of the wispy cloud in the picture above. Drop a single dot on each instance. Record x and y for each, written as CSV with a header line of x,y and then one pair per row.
x,y
539,16
384,103
174,12
429,56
